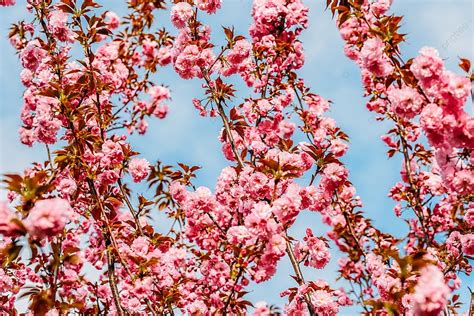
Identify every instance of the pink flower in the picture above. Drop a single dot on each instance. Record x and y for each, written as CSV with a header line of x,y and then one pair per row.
x,y
140,246
317,104
431,117
406,102
261,309
238,234
197,307
463,182
109,177
48,217
161,111
258,216
164,56
379,7
47,126
26,77
431,292
314,253
428,66
142,126
378,105
58,26
27,136
350,30
277,245
178,192
112,151
149,48
266,14
32,55
108,52
210,6
186,62
323,303
335,173
338,147
67,187
139,169
112,20
467,242
7,228
159,93
263,105
286,129
287,207
6,3
469,217
457,86
239,52
52,312
373,58
181,13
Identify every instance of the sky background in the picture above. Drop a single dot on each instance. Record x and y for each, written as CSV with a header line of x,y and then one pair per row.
x,y
186,137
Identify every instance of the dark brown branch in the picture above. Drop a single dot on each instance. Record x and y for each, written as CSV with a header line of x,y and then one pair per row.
x,y
299,275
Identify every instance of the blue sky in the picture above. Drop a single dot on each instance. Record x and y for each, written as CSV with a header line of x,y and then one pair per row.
x,y
184,136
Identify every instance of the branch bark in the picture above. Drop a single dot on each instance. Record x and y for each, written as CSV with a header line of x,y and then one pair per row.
x,y
299,275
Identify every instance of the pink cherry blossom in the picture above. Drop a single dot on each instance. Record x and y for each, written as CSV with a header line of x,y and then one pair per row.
x,y
467,242
372,57
324,303
181,12
139,169
261,309
6,3
431,292
210,6
7,227
406,101
48,217
58,26
314,252
32,55
112,20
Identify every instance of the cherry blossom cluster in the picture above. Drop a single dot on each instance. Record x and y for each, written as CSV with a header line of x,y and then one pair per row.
x,y
257,201
421,98
70,209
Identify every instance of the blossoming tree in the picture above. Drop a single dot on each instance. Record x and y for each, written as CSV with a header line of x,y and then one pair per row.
x,y
89,78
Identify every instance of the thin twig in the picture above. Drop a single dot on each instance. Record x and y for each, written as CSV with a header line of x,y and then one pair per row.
x,y
299,275
130,207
